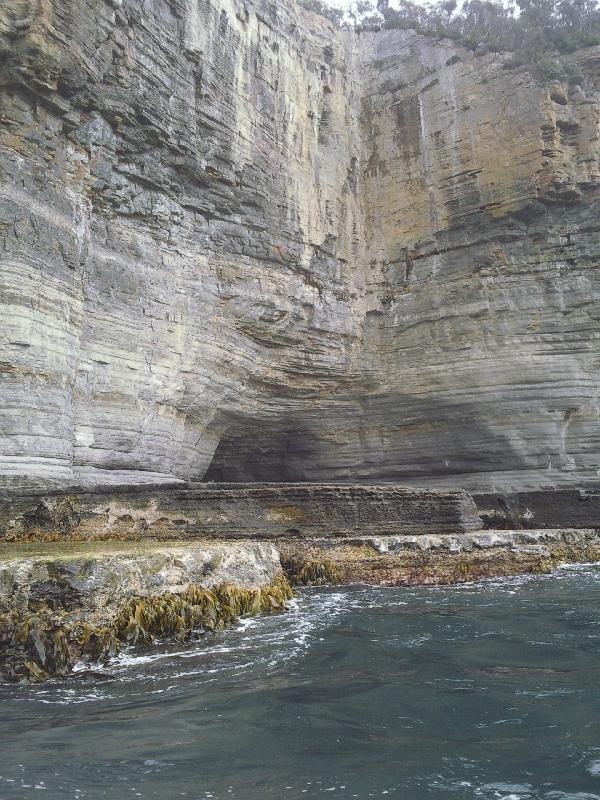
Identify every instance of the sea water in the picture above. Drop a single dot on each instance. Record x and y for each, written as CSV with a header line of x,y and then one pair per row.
x,y
490,690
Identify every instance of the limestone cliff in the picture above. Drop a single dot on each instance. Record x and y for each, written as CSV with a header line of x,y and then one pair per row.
x,y
238,243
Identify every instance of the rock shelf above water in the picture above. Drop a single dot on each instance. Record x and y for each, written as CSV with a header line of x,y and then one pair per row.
x,y
238,511
60,607
96,577
68,603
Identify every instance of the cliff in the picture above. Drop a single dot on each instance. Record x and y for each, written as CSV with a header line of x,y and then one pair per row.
x,y
237,243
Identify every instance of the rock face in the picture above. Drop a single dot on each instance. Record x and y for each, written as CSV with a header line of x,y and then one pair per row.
x,y
259,511
236,242
59,610
96,580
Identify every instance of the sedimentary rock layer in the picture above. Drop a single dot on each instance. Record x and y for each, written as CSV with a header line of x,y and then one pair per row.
x,y
236,240
245,511
443,560
542,509
95,578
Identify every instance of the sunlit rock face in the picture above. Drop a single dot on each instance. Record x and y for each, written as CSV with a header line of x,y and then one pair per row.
x,y
241,245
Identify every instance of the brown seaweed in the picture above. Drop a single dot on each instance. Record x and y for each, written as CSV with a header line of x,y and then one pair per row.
x,y
36,646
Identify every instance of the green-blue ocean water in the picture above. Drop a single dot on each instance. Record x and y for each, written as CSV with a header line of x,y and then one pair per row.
x,y
487,691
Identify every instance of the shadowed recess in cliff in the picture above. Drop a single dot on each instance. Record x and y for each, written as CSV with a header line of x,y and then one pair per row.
x,y
256,450
380,438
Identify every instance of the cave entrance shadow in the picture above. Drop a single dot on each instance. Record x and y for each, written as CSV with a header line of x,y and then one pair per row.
x,y
253,451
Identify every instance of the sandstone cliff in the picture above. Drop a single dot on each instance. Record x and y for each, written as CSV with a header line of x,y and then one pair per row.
x,y
238,243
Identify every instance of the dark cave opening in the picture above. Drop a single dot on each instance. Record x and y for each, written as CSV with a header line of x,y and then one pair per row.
x,y
254,451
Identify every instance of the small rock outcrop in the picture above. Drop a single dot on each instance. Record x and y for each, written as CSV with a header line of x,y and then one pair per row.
x,y
63,609
96,578
239,243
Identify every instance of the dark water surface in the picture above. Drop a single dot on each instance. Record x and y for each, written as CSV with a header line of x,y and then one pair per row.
x,y
486,691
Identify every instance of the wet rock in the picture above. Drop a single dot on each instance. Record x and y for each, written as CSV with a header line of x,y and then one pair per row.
x,y
106,600
445,560
111,574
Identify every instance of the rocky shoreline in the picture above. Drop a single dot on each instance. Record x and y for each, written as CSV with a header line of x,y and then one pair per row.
x,y
85,573
65,607
448,560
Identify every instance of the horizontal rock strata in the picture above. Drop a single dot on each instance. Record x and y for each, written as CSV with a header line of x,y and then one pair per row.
x,y
237,242
551,508
245,511
441,560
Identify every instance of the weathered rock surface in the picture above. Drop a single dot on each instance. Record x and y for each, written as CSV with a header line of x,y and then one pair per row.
x,y
485,540
259,511
64,605
99,578
60,609
233,236
443,560
102,578
541,509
